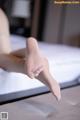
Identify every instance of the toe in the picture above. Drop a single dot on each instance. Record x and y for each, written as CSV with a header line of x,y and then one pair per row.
x,y
56,93
38,71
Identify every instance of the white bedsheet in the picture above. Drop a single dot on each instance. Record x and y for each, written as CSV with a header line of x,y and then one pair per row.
x,y
64,64
64,60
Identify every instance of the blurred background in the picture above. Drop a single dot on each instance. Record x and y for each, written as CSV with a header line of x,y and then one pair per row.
x,y
44,20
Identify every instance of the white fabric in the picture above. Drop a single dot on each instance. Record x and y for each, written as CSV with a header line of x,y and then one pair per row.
x,y
64,64
64,60
12,82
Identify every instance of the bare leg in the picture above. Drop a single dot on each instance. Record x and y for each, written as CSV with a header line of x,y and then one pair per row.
x,y
4,34
36,65
11,63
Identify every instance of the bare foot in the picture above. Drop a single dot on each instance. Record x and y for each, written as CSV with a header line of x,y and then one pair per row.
x,y
37,67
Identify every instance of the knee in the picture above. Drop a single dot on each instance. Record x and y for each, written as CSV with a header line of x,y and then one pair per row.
x,y
31,38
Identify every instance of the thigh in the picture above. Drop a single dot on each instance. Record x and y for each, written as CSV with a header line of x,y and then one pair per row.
x,y
12,63
5,45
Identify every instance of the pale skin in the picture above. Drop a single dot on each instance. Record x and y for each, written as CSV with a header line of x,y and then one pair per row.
x,y
29,60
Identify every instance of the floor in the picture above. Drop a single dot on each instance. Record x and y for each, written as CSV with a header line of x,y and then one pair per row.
x,y
45,107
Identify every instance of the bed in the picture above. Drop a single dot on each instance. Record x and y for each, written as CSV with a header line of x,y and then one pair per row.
x,y
64,62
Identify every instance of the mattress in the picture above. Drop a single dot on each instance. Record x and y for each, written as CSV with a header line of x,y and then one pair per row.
x,y
64,62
